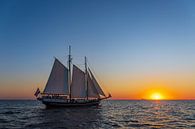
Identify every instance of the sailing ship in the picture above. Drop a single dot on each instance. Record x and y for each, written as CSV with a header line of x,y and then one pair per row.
x,y
69,87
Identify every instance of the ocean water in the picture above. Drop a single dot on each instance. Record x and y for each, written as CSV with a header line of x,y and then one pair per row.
x,y
110,114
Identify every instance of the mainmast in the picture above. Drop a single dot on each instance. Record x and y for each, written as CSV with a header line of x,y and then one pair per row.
x,y
69,71
86,76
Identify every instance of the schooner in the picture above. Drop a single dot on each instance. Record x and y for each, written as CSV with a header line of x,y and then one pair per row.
x,y
71,86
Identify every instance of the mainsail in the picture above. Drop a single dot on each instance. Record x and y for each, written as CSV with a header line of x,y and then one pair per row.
x,y
78,88
58,79
97,86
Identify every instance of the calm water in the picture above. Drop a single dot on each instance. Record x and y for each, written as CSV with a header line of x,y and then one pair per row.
x,y
111,114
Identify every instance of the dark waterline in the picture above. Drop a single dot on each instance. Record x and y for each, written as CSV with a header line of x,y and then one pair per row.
x,y
110,114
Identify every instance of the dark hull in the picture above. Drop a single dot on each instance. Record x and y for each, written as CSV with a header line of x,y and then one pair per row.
x,y
71,104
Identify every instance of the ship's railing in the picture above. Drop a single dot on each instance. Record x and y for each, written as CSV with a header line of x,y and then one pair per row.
x,y
54,96
64,98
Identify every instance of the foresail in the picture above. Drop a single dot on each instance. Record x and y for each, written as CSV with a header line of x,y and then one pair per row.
x,y
92,91
58,79
78,89
97,86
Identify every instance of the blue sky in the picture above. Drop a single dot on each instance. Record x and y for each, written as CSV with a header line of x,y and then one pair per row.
x,y
128,37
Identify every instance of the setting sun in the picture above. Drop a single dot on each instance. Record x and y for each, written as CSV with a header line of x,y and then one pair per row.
x,y
156,96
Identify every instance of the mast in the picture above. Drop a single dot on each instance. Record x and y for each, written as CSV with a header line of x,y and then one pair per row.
x,y
69,71
86,76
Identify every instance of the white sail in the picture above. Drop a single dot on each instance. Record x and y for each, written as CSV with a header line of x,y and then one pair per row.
x,y
78,89
58,79
92,91
97,86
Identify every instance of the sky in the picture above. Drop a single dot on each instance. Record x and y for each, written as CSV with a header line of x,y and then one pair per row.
x,y
135,47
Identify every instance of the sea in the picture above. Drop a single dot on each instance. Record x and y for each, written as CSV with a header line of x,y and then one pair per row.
x,y
110,114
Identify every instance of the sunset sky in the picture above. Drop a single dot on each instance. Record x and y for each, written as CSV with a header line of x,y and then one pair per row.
x,y
138,49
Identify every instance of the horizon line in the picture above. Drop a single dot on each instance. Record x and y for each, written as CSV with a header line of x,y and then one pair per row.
x,y
122,99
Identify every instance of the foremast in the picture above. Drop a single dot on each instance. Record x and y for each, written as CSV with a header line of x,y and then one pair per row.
x,y
86,78
69,72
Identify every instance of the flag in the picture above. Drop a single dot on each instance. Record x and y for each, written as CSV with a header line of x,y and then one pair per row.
x,y
37,92
110,95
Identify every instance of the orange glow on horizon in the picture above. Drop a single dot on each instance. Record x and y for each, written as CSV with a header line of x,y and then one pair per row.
x,y
156,96
120,88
